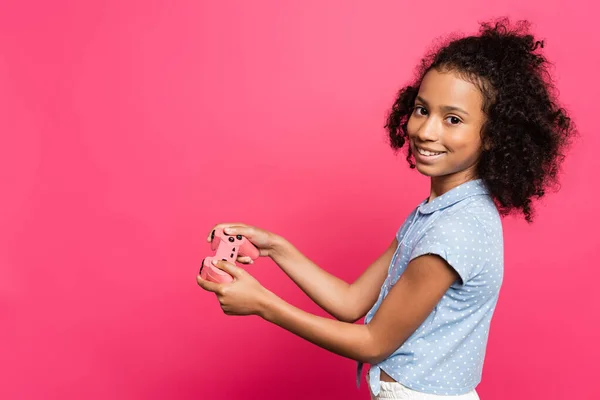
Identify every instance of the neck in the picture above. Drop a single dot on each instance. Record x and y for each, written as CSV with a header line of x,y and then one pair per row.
x,y
443,184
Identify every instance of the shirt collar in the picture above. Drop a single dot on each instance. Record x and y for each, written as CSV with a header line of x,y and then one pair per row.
x,y
453,196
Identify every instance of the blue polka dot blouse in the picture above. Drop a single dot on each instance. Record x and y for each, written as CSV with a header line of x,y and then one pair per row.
x,y
445,354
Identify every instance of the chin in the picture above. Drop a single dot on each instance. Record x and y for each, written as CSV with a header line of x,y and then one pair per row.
x,y
427,170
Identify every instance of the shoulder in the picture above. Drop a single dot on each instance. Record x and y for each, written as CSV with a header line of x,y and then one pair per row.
x,y
473,217
467,236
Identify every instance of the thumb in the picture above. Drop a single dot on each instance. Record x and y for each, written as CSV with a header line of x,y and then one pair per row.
x,y
243,230
254,235
228,267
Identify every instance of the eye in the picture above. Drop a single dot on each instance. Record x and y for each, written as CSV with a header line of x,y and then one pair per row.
x,y
419,110
454,120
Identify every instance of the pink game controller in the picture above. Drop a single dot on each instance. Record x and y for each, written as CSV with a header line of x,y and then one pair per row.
x,y
228,247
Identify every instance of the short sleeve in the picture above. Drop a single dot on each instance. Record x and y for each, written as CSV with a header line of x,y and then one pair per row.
x,y
460,240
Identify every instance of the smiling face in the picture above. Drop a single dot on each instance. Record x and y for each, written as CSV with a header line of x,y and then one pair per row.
x,y
445,128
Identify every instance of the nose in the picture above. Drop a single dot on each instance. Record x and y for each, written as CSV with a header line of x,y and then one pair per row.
x,y
428,130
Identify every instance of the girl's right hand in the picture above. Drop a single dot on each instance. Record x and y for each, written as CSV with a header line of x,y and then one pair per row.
x,y
266,242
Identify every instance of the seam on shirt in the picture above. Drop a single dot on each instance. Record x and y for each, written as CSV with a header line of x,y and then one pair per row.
x,y
442,251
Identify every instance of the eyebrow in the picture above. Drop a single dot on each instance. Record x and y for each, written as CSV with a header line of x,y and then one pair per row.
x,y
445,108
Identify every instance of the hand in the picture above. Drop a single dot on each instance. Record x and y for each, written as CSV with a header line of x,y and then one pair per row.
x,y
243,296
265,241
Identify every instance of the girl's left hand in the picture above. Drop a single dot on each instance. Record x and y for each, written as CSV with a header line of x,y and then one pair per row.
x,y
243,296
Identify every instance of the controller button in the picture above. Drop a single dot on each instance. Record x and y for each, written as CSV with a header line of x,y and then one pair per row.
x,y
239,237
231,255
231,239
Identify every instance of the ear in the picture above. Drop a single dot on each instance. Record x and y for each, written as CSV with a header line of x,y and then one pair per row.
x,y
487,145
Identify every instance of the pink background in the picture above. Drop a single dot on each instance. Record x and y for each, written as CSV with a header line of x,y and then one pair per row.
x,y
128,128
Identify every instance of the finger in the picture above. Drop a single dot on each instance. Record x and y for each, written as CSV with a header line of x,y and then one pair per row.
x,y
208,285
244,230
228,267
223,226
245,260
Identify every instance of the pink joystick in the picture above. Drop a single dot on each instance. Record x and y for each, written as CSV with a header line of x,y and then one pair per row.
x,y
228,248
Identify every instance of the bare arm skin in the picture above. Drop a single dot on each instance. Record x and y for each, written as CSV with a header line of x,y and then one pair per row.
x,y
346,302
409,302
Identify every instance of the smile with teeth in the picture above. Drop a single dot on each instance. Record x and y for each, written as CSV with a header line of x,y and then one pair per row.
x,y
428,153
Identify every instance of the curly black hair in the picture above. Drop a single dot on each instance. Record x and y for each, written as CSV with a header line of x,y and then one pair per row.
x,y
526,132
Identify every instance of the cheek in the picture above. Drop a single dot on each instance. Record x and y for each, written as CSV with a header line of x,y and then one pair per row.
x,y
411,127
470,150
475,145
465,142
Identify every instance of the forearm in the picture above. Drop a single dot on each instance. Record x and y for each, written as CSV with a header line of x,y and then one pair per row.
x,y
349,340
331,293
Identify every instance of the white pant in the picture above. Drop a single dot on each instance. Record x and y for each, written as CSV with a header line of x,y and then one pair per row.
x,y
395,390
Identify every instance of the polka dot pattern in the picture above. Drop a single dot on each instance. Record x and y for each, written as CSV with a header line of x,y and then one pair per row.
x,y
445,355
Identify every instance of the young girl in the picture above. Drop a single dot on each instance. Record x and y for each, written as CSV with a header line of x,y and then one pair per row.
x,y
481,122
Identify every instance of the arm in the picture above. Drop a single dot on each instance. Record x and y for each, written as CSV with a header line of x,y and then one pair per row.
x,y
346,302
404,309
